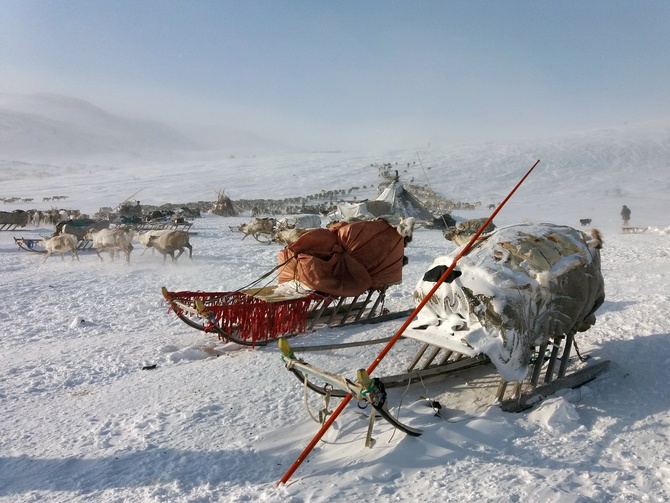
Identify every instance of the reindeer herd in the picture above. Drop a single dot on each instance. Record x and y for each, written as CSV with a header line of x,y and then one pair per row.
x,y
12,200
119,241
10,220
71,235
73,232
116,241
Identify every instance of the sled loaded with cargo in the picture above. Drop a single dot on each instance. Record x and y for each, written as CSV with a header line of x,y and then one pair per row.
x,y
333,276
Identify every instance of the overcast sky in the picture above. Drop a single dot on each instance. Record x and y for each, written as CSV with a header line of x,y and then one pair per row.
x,y
329,73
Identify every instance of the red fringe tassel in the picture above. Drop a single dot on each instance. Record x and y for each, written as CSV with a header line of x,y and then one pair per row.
x,y
252,318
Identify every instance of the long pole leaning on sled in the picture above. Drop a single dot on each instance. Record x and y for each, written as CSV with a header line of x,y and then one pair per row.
x,y
401,330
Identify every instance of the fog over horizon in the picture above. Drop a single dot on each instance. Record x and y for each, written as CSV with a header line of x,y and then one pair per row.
x,y
349,75
43,125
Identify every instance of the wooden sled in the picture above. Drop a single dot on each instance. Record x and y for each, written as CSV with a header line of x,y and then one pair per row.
x,y
9,227
258,316
633,230
157,225
33,245
441,355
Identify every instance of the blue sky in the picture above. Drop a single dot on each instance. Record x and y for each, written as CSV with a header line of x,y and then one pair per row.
x,y
333,73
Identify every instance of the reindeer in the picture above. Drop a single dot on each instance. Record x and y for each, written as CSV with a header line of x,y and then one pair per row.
x,y
61,244
170,242
112,240
258,226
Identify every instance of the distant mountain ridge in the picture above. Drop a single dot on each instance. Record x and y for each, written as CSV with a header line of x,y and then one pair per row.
x,y
39,125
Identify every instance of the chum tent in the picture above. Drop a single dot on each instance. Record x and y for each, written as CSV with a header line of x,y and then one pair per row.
x,y
394,200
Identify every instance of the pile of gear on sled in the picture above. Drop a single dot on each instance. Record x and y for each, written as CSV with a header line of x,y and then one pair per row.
x,y
328,276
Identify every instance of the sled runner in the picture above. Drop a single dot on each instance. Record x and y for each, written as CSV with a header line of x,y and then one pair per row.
x,y
326,277
33,245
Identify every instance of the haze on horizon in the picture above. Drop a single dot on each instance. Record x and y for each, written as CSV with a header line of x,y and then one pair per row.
x,y
349,74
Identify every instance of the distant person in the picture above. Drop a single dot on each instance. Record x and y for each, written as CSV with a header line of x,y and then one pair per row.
x,y
625,214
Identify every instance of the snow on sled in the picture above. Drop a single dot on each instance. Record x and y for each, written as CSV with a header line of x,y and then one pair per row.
x,y
516,300
330,277
518,288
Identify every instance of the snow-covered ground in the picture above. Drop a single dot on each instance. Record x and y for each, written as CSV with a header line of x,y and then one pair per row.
x,y
82,421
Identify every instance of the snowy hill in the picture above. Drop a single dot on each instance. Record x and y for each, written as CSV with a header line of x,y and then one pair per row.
x,y
584,175
589,174
51,125
41,126
593,172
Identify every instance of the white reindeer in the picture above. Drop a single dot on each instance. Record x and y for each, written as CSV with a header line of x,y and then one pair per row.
x,y
112,240
61,244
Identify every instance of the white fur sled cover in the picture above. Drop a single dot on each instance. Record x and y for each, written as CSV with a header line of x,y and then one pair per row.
x,y
517,287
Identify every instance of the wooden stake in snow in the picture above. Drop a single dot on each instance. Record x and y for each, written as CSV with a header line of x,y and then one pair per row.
x,y
400,331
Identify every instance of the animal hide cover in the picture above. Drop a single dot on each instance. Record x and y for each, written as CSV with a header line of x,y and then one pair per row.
x,y
345,260
518,287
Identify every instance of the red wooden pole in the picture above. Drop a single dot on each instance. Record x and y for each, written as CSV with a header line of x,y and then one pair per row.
x,y
401,330
444,276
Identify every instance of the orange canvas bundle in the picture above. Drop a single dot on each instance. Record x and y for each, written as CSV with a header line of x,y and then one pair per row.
x,y
345,260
